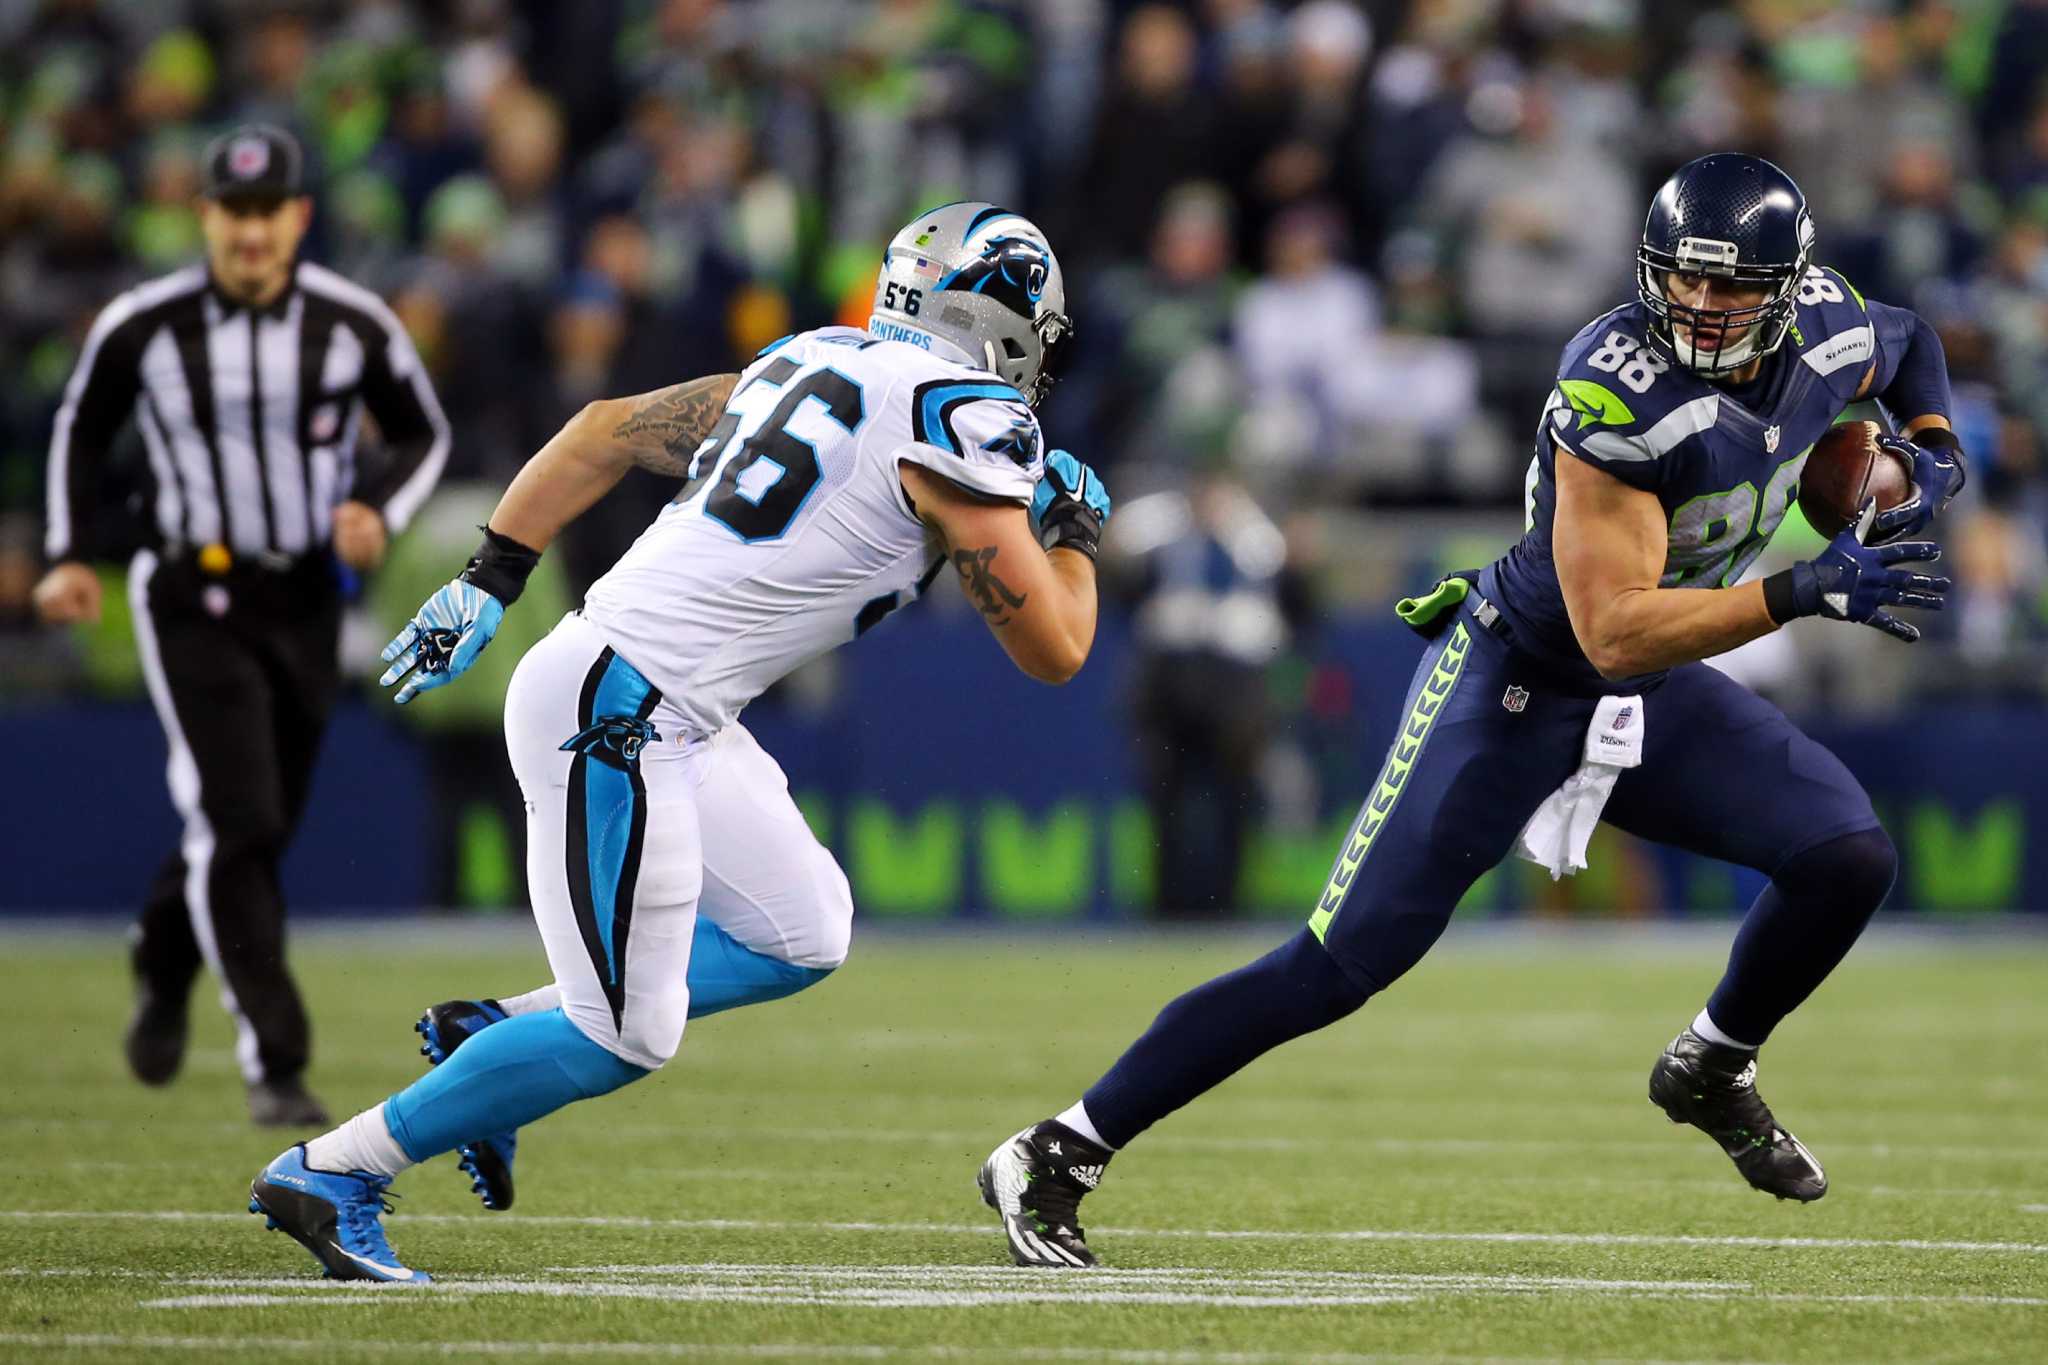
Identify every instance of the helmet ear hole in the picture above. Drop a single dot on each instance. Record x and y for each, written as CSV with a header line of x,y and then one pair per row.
x,y
1013,349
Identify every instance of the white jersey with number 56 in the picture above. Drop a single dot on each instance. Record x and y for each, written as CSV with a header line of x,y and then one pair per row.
x,y
792,534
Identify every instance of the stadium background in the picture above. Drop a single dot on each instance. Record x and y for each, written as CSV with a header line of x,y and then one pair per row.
x,y
1321,256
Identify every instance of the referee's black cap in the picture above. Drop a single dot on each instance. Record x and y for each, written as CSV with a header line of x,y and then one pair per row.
x,y
254,161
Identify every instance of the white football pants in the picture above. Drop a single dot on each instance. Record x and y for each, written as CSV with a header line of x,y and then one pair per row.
x,y
632,832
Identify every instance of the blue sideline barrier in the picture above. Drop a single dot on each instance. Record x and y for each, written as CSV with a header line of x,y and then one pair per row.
x,y
932,774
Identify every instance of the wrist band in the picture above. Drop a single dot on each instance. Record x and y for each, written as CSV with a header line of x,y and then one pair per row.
x,y
1781,597
1936,438
500,566
1079,530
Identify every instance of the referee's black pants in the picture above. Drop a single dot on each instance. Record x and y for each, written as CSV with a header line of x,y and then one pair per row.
x,y
242,670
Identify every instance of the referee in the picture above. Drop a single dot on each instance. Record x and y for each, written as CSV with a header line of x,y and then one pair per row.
x,y
248,377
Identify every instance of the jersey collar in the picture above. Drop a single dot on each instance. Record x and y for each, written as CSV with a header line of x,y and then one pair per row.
x,y
277,308
944,349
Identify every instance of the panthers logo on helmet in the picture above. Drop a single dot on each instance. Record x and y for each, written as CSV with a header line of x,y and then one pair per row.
x,y
1012,271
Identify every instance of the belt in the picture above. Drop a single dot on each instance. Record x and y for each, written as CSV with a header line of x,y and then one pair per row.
x,y
1457,594
217,561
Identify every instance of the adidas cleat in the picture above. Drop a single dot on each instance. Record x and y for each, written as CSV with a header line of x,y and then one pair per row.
x,y
1713,1088
488,1161
1035,1182
332,1214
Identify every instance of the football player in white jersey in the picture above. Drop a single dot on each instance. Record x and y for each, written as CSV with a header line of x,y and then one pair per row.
x,y
670,873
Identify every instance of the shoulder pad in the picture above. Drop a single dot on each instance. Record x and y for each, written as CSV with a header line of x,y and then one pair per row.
x,y
976,432
960,415
1831,324
1620,404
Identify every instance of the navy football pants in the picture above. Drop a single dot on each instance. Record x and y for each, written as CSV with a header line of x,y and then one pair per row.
x,y
1724,773
1482,742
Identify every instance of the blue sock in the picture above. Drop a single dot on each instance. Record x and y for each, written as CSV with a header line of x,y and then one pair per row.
x,y
503,1077
725,976
1203,1038
1799,929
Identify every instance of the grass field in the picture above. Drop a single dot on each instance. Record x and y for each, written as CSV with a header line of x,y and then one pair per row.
x,y
1466,1170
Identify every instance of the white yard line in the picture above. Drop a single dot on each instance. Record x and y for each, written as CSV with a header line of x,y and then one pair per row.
x,y
956,1287
692,1350
1196,1234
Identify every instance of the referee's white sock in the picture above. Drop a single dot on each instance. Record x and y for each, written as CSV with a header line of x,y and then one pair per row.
x,y
533,1002
364,1143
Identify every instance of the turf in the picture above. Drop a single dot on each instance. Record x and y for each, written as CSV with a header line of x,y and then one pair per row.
x,y
1468,1169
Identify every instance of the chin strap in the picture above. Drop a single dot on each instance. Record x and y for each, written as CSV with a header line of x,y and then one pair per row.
x,y
1737,356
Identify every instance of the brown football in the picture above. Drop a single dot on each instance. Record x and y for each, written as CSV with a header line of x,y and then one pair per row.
x,y
1847,468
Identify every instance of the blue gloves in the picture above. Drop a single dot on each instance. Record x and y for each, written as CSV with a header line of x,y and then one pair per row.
x,y
442,640
1851,581
1938,475
1070,505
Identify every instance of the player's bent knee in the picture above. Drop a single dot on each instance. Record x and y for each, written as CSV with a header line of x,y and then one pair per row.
x,y
1854,870
644,1044
832,935
726,974
1323,985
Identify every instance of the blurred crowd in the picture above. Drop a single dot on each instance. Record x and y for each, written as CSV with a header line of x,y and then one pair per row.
x,y
1326,251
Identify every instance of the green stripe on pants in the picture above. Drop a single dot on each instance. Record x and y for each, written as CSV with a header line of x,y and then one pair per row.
x,y
1393,777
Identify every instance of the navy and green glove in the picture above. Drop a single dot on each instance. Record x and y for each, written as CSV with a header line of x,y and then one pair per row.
x,y
452,627
1850,581
1070,505
1936,458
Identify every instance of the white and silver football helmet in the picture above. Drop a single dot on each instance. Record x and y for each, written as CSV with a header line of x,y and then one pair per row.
x,y
986,280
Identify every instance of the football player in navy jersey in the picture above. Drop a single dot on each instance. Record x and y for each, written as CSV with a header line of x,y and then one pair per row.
x,y
1668,454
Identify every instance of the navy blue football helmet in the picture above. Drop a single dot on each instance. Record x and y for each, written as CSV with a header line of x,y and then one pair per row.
x,y
1732,217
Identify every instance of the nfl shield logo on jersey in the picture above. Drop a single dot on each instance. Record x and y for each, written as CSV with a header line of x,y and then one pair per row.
x,y
1516,698
1770,440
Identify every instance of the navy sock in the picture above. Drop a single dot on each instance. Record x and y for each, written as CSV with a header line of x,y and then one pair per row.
x,y
1204,1037
1800,927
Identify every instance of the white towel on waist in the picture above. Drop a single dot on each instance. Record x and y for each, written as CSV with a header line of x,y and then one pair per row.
x,y
1556,834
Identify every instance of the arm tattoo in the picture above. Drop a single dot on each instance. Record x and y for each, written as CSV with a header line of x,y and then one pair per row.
x,y
991,596
665,427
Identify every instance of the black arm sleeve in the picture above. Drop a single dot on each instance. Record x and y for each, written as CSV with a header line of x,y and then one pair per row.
x,y
399,396
97,401
1912,374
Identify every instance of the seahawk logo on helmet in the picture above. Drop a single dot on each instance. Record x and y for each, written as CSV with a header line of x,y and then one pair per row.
x,y
984,279
1732,217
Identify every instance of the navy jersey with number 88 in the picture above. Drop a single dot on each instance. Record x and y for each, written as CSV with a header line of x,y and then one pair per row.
x,y
1723,460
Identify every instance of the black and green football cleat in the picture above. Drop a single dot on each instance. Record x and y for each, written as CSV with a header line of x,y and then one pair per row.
x,y
1035,1183
1713,1088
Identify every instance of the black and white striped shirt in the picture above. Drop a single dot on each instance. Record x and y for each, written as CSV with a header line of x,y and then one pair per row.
x,y
250,416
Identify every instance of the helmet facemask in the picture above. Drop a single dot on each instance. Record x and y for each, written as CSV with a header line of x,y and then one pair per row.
x,y
1763,326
